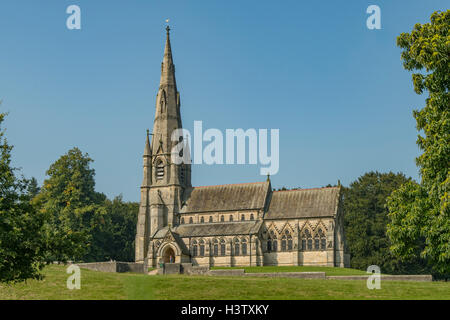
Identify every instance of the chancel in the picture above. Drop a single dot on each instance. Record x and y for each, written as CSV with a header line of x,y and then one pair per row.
x,y
246,224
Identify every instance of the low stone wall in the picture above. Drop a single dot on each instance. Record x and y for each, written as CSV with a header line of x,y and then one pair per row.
x,y
189,269
99,266
226,272
301,275
130,267
241,272
315,275
172,268
113,266
420,278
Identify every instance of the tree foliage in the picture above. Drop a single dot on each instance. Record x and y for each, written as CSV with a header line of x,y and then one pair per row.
x,y
420,213
21,236
75,210
365,222
84,225
118,238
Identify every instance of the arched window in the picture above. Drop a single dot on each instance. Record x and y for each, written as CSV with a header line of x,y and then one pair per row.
x,y
306,240
222,247
191,221
202,220
289,242
316,242
323,240
216,247
210,219
159,170
252,217
272,243
286,241
182,220
242,217
283,243
194,248
275,245
231,218
222,218
182,170
244,247
202,248
236,247
162,101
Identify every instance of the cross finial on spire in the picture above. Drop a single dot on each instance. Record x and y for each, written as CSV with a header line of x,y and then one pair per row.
x,y
148,132
268,177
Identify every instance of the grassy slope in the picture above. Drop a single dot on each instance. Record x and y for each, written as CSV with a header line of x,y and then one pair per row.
x,y
97,285
329,271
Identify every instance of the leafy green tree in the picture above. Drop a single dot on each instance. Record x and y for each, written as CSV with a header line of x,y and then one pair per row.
x,y
365,223
117,241
76,211
21,237
33,188
420,213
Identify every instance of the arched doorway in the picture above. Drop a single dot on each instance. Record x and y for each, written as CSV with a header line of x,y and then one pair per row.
x,y
168,255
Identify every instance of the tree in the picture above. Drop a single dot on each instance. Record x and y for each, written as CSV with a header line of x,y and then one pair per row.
x,y
76,212
21,234
33,188
120,231
420,213
365,223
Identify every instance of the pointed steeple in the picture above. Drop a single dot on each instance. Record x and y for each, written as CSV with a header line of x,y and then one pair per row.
x,y
148,149
147,181
167,67
167,115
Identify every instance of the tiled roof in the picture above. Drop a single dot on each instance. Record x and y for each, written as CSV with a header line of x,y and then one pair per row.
x,y
213,229
230,197
303,203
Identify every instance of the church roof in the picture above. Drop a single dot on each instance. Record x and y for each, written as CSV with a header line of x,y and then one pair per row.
x,y
231,197
169,235
213,229
303,203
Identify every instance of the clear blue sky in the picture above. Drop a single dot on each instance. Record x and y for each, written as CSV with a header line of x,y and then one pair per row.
x,y
336,90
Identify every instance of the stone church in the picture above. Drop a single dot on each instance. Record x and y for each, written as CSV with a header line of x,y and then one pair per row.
x,y
246,224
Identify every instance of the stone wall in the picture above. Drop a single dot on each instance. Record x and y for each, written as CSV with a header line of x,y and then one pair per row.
x,y
114,266
130,267
301,275
420,278
189,269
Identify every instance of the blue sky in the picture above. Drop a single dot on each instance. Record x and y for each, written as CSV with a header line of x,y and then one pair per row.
x,y
335,89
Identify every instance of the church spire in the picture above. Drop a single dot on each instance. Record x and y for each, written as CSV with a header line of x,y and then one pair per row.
x,y
167,115
167,67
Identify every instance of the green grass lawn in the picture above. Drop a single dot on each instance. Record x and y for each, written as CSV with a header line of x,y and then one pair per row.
x,y
99,285
329,271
